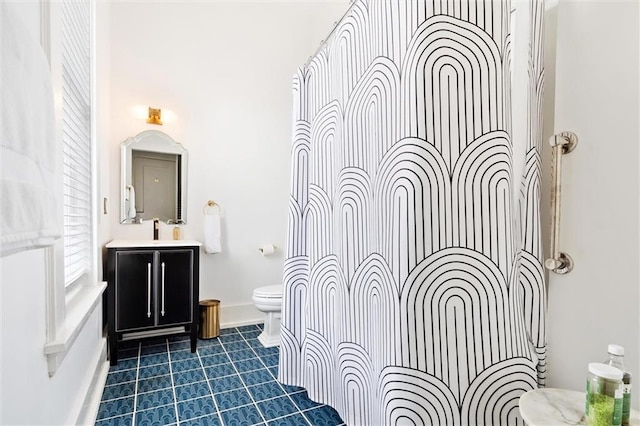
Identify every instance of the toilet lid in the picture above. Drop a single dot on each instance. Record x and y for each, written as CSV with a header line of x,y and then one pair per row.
x,y
269,292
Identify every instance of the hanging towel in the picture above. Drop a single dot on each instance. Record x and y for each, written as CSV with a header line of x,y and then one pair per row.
x,y
29,149
131,211
212,229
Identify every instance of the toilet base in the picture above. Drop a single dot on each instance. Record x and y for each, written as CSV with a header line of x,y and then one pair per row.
x,y
270,336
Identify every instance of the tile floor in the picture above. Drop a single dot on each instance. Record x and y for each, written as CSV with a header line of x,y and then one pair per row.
x,y
230,380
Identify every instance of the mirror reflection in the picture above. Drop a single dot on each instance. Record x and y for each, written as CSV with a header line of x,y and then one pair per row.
x,y
154,168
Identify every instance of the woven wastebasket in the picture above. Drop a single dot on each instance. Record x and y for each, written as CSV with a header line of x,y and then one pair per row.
x,y
209,321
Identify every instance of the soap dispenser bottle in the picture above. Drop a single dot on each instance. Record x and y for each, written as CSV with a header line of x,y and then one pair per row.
x,y
156,228
616,355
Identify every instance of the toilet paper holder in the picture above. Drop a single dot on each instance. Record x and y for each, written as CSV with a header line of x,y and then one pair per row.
x,y
267,249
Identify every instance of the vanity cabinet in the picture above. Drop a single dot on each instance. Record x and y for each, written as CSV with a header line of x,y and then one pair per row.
x,y
152,291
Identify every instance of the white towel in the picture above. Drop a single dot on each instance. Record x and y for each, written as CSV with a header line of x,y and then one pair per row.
x,y
212,230
29,149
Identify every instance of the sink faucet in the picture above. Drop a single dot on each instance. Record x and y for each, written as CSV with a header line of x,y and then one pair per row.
x,y
156,228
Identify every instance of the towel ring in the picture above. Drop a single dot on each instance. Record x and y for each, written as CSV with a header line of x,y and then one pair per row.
x,y
210,204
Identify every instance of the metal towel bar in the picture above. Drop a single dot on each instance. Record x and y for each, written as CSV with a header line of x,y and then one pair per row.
x,y
562,143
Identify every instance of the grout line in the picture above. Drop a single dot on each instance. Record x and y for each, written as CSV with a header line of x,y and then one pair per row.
x,y
173,385
135,392
279,384
215,403
245,386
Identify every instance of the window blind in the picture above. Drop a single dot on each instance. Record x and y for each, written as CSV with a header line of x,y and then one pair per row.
x,y
76,136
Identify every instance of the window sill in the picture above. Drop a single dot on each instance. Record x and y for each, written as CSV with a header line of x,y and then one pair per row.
x,y
77,314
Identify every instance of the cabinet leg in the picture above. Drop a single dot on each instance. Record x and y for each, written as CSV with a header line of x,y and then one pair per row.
x,y
113,349
194,339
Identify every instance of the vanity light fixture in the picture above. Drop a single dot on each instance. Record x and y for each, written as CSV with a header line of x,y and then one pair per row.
x,y
154,116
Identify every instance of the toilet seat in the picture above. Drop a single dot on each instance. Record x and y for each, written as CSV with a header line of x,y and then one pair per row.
x,y
268,292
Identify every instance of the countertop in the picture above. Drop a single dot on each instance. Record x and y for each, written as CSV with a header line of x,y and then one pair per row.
x,y
152,243
556,407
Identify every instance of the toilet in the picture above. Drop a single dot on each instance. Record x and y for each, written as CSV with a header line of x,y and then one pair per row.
x,y
269,300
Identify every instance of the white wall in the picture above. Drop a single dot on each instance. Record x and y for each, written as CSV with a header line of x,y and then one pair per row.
x,y
225,70
593,90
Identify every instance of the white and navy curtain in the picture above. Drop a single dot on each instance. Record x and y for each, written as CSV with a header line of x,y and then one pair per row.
x,y
413,280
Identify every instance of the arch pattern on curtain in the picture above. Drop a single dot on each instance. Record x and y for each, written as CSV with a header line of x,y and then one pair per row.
x,y
413,284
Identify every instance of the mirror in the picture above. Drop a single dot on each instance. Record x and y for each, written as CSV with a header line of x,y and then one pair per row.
x,y
154,179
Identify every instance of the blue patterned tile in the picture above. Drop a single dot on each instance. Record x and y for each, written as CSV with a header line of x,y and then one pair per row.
x,y
196,408
231,399
154,399
324,415
121,376
211,350
294,420
153,371
242,416
154,383
277,407
227,331
270,360
291,389
240,355
153,359
260,326
115,407
254,343
119,390
266,390
180,346
221,370
216,359
235,346
302,400
192,390
246,328
207,342
185,377
179,338
248,365
252,334
183,355
152,350
231,338
213,420
126,420
274,371
156,416
124,364
226,383
262,351
256,377
184,365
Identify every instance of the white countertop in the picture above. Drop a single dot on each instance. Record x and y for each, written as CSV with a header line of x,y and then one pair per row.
x,y
556,407
152,243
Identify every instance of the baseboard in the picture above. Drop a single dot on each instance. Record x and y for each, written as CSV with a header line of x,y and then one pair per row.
x,y
239,315
89,411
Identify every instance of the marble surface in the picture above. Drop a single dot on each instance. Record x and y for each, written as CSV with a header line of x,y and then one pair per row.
x,y
556,407
152,243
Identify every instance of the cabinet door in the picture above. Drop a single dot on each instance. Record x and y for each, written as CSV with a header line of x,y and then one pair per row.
x,y
175,287
134,290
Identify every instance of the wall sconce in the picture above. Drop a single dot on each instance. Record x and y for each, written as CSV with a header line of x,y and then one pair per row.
x,y
154,116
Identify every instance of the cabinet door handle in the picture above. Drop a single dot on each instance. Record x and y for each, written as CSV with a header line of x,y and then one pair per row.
x,y
148,290
162,312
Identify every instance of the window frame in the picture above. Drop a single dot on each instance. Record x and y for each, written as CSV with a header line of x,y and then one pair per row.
x,y
68,307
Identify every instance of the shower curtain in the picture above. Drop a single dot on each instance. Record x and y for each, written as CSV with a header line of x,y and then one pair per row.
x,y
414,288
